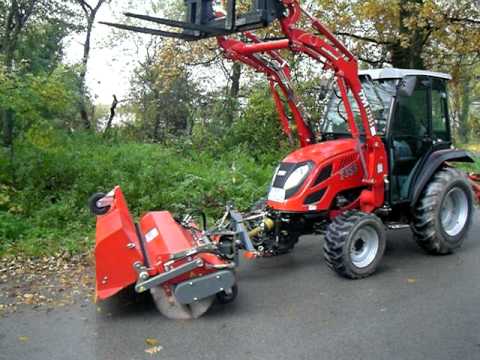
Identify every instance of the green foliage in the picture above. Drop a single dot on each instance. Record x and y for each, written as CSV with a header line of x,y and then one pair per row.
x,y
38,99
45,207
41,47
258,128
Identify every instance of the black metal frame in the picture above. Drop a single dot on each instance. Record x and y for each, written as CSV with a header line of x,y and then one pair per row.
x,y
200,22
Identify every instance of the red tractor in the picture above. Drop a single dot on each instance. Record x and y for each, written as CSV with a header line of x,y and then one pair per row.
x,y
380,158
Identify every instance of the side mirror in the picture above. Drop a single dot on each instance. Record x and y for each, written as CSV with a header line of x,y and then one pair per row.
x,y
407,86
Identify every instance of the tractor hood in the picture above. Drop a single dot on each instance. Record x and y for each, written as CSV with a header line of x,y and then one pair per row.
x,y
320,152
303,167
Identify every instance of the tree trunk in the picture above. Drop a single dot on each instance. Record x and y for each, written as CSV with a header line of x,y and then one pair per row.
x,y
90,14
463,126
409,57
112,114
83,74
158,116
236,74
156,128
13,27
8,125
234,90
8,116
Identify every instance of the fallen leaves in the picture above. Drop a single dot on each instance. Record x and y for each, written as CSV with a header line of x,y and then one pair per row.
x,y
152,341
154,344
154,350
50,281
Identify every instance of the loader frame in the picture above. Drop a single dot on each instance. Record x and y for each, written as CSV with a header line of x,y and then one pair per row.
x,y
264,56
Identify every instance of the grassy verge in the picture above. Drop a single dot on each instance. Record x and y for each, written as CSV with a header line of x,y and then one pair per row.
x,y
45,188
44,192
475,150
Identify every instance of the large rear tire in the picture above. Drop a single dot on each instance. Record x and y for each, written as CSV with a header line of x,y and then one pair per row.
x,y
354,244
444,212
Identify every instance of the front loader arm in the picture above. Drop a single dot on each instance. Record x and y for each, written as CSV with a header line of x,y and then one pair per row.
x,y
263,56
272,64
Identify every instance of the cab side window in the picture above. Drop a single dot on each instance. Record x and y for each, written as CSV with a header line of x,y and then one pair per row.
x,y
412,112
440,130
409,129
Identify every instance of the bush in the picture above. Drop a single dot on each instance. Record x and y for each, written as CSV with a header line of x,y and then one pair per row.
x,y
43,204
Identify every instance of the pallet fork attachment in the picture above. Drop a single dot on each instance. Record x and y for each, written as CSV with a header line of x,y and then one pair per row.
x,y
202,22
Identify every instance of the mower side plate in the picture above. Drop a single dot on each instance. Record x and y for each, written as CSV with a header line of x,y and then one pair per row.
x,y
204,286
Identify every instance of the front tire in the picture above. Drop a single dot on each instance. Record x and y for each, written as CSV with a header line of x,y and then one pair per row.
x,y
444,212
354,244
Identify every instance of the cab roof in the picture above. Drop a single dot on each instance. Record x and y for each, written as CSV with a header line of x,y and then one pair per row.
x,y
394,73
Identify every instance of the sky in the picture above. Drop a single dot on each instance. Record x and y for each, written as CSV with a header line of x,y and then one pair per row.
x,y
109,67
111,63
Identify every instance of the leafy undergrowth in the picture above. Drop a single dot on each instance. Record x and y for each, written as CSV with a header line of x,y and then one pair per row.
x,y
44,190
45,187
474,147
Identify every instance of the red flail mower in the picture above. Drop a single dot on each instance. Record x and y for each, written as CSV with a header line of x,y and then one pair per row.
x,y
380,158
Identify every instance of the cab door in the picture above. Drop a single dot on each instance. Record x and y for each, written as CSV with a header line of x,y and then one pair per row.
x,y
441,131
410,138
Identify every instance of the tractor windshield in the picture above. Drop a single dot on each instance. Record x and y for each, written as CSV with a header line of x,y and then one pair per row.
x,y
379,94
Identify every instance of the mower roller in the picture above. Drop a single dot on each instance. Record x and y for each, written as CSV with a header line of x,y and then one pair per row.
x,y
180,264
380,158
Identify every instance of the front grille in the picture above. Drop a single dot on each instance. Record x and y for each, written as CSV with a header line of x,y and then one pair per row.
x,y
323,175
315,197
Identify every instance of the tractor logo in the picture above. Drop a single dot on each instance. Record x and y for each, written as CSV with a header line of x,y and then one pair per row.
x,y
371,118
348,171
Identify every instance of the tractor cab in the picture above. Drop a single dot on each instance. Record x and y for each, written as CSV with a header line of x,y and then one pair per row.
x,y
411,112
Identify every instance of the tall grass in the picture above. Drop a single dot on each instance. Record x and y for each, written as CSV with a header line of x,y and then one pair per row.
x,y
44,191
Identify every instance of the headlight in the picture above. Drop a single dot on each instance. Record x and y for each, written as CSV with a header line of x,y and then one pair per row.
x,y
287,180
274,175
297,177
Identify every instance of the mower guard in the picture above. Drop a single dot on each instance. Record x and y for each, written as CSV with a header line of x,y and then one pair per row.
x,y
117,248
157,253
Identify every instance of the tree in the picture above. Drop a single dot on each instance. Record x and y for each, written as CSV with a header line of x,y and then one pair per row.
x,y
421,34
463,92
163,99
17,15
30,43
405,33
90,13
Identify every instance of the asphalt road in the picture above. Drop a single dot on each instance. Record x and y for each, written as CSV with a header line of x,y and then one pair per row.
x,y
291,307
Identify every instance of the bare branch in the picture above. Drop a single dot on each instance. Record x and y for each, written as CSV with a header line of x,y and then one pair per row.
x,y
85,5
464,20
363,38
112,114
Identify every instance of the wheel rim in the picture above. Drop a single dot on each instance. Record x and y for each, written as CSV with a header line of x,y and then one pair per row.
x,y
364,246
454,211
